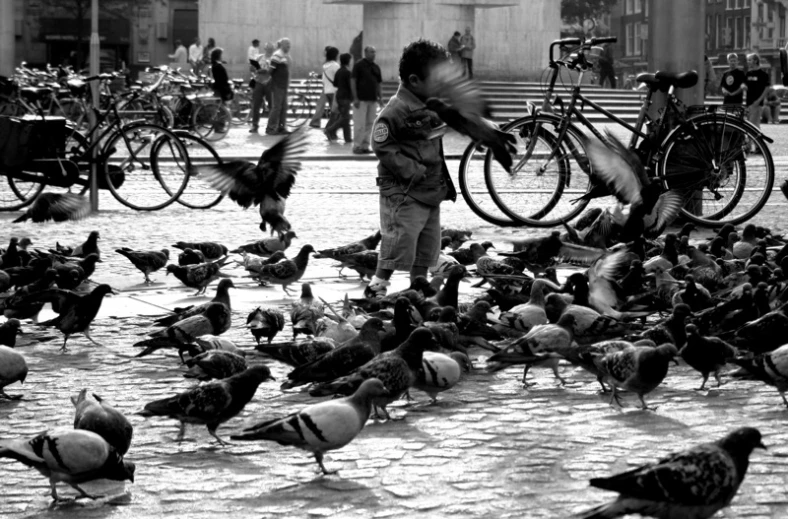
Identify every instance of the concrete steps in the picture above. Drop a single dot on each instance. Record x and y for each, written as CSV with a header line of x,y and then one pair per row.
x,y
508,100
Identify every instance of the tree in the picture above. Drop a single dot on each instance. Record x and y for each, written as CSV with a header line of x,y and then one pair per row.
x,y
574,12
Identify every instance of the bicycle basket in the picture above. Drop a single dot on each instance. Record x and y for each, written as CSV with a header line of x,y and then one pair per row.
x,y
733,111
15,141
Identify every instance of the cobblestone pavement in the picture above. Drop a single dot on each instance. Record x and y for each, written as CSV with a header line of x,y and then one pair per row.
x,y
489,448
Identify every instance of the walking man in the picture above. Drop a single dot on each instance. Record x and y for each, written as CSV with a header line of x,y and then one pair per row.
x,y
280,81
179,57
195,56
365,86
468,44
262,88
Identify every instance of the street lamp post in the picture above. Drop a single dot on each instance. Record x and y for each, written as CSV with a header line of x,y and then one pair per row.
x,y
95,49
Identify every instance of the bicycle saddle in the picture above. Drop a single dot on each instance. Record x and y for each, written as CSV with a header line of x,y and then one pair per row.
x,y
664,80
76,86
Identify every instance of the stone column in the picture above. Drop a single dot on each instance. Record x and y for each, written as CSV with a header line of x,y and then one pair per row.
x,y
7,43
389,25
677,42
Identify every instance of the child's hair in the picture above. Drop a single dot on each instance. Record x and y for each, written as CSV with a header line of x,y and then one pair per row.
x,y
418,56
344,58
755,57
331,53
733,55
216,54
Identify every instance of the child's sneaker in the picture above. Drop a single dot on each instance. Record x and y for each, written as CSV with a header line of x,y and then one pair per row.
x,y
376,289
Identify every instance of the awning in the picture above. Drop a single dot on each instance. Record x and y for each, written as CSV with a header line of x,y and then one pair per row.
x,y
112,31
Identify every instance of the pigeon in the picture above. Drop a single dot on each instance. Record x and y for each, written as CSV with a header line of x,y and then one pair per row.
x,y
146,261
706,354
771,368
8,332
179,314
369,243
212,403
321,427
265,322
95,415
267,246
5,281
24,303
342,360
191,257
364,262
75,311
13,368
70,456
210,249
10,258
456,237
694,483
640,369
287,272
441,372
215,364
58,207
471,254
397,370
215,320
89,246
297,354
268,184
197,276
466,111
71,273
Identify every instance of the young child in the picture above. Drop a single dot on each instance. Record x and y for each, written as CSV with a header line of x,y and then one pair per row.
x,y
732,84
757,81
412,173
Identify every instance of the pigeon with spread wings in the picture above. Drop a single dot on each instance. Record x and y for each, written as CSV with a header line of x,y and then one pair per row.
x,y
266,184
460,105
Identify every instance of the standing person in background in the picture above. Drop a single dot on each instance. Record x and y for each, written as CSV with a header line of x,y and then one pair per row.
x,y
180,58
253,52
710,82
758,82
454,47
280,81
221,82
468,44
357,47
732,83
607,69
772,108
206,56
365,85
340,111
195,56
262,88
330,68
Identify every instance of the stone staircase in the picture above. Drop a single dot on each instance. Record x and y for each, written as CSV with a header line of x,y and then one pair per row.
x,y
508,99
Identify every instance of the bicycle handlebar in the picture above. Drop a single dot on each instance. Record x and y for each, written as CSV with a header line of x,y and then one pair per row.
x,y
603,39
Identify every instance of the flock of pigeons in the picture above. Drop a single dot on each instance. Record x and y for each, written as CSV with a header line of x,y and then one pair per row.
x,y
642,300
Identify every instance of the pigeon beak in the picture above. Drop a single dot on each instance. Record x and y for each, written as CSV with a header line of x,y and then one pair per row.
x,y
272,378
114,292
676,361
762,446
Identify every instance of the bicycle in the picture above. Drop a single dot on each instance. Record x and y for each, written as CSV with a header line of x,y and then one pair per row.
x,y
300,107
123,151
699,152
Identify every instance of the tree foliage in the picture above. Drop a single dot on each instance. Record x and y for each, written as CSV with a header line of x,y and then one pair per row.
x,y
575,11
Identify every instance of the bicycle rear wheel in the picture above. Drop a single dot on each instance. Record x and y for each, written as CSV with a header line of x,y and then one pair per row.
x,y
707,160
128,157
474,189
16,194
211,121
533,194
241,107
198,193
299,110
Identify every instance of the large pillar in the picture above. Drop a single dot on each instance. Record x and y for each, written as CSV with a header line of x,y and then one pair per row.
x,y
389,25
677,41
7,37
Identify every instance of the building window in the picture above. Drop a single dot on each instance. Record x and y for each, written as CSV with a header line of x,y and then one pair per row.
x,y
729,4
738,33
638,6
746,3
629,45
729,32
709,34
746,33
717,29
636,31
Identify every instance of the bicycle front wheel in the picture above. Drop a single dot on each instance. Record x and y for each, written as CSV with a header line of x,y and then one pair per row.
x,y
722,166
299,110
128,159
198,193
533,194
211,121
16,194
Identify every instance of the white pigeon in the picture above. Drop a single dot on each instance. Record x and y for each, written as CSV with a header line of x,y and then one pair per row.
x,y
441,372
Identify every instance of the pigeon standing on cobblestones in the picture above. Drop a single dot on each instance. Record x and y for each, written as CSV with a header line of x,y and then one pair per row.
x,y
287,272
267,246
368,243
197,276
13,368
179,314
93,414
297,354
191,257
8,332
441,372
213,403
265,322
89,246
215,320
210,249
267,184
215,364
146,261
640,369
322,427
706,354
76,312
58,207
70,456
771,368
692,484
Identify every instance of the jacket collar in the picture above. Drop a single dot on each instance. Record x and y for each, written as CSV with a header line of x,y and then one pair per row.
x,y
410,99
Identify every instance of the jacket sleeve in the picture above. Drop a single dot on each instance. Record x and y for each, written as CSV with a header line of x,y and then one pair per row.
x,y
393,156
